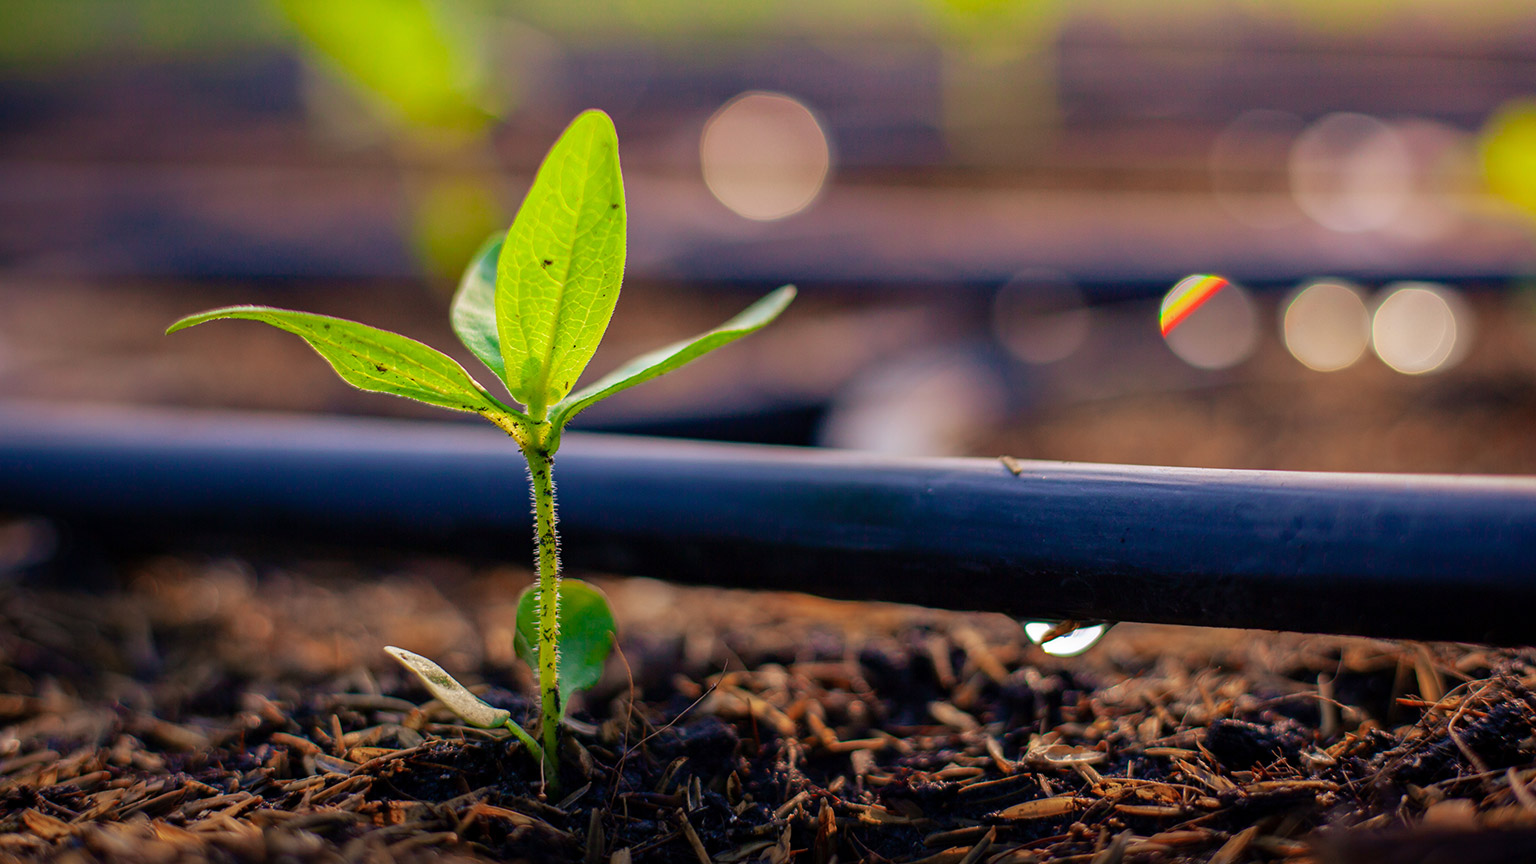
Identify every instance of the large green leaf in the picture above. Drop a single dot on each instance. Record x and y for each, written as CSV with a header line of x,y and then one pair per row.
x,y
664,360
473,312
586,634
559,272
369,358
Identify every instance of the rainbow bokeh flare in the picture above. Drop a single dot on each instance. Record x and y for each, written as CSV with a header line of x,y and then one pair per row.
x,y
1186,297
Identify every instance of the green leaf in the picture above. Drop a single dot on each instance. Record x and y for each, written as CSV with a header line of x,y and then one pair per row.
x,y
473,312
371,359
664,360
446,689
559,272
586,634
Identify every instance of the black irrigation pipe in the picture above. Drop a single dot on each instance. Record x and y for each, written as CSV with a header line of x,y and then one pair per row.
x,y
1403,556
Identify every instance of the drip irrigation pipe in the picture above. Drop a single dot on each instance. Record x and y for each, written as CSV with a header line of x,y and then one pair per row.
x,y
1424,557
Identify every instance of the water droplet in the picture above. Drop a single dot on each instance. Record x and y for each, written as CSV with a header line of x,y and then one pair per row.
x,y
1068,644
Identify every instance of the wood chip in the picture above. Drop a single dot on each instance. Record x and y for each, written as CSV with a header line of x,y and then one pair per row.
x,y
1267,786
303,745
953,717
47,827
995,753
1185,837
958,836
1155,811
373,765
350,784
1043,808
1210,780
482,810
1171,752
11,766
694,842
788,806
1233,850
155,805
981,847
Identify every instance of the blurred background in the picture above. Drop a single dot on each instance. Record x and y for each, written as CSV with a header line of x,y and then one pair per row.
x,y
985,203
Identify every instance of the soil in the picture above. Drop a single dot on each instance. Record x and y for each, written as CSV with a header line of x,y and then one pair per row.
x,y
235,709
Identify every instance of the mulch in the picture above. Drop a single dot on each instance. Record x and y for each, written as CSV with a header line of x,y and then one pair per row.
x,y
193,708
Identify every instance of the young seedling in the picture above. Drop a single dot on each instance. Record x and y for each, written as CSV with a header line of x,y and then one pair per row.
x,y
532,306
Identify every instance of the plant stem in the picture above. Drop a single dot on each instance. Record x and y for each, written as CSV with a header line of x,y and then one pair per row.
x,y
540,465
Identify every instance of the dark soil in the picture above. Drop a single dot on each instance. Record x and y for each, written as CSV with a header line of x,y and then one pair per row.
x,y
198,709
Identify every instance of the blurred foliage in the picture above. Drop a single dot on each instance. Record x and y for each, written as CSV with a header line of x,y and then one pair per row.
x,y
1508,150
58,30
48,32
401,54
429,79
998,30
453,215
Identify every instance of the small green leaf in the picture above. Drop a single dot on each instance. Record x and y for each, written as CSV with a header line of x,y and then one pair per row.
x,y
450,692
371,359
473,312
664,360
559,272
586,634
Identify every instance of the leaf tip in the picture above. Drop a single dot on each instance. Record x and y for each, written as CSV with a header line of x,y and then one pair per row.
x,y
184,323
597,119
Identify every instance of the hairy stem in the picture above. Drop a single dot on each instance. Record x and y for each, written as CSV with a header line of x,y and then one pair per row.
x,y
540,466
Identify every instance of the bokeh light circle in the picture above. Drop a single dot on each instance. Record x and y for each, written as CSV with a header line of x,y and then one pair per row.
x,y
1326,325
764,155
1420,327
1221,332
932,403
1351,173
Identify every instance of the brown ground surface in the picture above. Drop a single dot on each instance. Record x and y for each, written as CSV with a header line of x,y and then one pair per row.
x,y
236,711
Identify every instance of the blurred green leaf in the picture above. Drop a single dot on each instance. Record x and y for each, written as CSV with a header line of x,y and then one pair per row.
x,y
450,216
398,51
586,634
559,272
664,360
473,312
369,358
